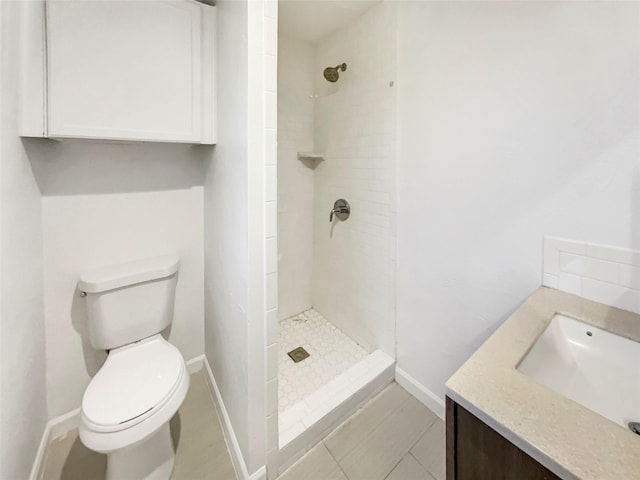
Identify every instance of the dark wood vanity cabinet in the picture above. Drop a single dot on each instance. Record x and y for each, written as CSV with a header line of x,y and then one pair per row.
x,y
477,452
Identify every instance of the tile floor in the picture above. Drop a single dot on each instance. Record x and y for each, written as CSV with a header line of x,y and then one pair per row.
x,y
393,437
201,448
331,353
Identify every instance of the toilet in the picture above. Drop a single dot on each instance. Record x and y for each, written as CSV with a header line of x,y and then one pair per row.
x,y
128,404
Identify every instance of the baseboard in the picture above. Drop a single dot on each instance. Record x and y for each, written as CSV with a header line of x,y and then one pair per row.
x,y
432,401
195,364
37,470
63,424
229,435
260,474
54,428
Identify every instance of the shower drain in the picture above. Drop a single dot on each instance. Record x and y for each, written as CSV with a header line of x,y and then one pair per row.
x,y
298,354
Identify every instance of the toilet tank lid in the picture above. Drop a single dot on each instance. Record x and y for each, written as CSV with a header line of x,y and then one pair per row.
x,y
129,273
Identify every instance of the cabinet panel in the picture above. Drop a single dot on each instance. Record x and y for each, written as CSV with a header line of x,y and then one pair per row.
x,y
125,70
477,452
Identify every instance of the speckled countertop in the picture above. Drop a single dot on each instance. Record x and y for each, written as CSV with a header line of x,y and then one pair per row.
x,y
567,438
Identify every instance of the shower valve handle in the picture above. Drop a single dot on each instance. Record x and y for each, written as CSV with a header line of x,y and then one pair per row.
x,y
341,209
337,210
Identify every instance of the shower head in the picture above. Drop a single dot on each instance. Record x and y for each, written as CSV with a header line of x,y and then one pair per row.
x,y
331,73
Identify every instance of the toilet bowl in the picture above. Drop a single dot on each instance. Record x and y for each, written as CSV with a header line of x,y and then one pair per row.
x,y
128,404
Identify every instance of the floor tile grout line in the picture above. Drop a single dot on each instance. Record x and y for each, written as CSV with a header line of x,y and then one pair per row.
x,y
395,466
376,426
422,466
433,422
416,460
408,450
335,460
414,457
427,469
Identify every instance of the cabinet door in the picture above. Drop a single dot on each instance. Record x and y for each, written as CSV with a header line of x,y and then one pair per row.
x,y
477,452
125,69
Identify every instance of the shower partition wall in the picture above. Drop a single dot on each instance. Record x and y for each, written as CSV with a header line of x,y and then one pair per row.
x,y
355,122
336,278
295,180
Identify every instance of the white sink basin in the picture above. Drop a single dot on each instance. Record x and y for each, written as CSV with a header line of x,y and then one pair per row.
x,y
591,366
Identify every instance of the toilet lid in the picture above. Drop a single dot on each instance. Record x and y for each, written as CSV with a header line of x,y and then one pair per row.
x,y
132,382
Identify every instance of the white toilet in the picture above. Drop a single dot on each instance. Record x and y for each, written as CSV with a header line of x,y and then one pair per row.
x,y
128,404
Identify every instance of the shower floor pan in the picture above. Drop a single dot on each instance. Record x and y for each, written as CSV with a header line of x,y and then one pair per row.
x,y
323,390
331,353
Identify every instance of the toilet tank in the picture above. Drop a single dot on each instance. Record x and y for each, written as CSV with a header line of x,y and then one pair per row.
x,y
129,301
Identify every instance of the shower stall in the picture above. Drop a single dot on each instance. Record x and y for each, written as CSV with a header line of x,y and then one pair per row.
x,y
336,214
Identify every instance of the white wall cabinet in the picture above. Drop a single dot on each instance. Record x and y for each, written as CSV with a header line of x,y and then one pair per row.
x,y
120,70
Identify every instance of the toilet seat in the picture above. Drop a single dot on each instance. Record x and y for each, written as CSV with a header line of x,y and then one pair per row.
x,y
139,387
132,383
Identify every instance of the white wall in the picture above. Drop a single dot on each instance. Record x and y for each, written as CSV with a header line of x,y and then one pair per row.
x,y
226,226
295,180
355,123
22,348
516,120
106,203
240,214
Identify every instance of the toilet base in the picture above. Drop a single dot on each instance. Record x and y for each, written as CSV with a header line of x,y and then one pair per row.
x,y
151,459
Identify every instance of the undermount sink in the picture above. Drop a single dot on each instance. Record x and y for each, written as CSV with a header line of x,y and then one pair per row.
x,y
593,367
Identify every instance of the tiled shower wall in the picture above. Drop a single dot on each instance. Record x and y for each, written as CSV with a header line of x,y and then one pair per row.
x,y
355,122
295,181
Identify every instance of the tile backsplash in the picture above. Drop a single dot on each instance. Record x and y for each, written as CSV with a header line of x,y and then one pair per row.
x,y
602,273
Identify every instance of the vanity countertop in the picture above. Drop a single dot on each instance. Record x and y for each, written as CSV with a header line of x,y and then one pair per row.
x,y
567,438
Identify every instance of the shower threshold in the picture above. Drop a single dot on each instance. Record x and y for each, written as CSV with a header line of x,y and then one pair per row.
x,y
307,422
306,413
304,424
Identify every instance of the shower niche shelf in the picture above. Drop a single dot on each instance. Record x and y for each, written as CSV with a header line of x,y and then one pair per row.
x,y
310,159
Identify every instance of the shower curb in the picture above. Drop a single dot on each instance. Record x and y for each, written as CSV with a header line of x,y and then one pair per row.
x,y
294,449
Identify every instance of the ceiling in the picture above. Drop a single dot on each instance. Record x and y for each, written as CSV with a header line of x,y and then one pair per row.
x,y
314,20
